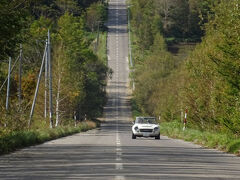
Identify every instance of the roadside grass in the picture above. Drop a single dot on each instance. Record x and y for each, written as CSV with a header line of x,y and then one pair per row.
x,y
102,47
16,140
224,142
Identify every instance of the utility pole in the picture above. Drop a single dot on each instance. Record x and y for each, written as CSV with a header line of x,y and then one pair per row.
x,y
10,73
46,83
20,78
8,84
38,82
50,81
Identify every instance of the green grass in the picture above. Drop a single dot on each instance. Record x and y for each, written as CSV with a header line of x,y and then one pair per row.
x,y
16,140
102,47
224,142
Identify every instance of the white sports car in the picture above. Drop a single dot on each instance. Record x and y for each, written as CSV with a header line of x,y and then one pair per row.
x,y
145,127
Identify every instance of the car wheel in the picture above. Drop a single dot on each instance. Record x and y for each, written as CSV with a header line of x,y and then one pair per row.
x,y
133,136
157,137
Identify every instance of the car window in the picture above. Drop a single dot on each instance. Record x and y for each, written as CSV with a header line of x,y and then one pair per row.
x,y
140,120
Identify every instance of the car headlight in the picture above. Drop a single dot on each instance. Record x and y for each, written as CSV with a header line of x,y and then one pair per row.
x,y
156,128
136,128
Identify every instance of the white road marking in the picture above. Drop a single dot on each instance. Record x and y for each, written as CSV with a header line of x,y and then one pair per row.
x,y
119,153
118,158
119,178
119,166
127,65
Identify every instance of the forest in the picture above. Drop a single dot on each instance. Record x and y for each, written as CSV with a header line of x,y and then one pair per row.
x,y
78,72
205,80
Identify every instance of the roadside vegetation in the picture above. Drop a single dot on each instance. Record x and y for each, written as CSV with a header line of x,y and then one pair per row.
x,y
203,77
79,71
210,139
18,139
102,47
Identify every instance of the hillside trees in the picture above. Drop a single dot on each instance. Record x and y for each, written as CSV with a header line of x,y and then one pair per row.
x,y
158,73
220,72
207,82
78,74
85,73
142,13
179,19
158,83
56,8
13,17
95,16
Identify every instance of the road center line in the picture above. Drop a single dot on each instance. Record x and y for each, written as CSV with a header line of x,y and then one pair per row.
x,y
119,178
119,166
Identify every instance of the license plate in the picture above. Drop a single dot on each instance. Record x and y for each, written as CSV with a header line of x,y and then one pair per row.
x,y
146,134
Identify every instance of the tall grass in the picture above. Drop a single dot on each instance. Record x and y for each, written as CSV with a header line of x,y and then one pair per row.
x,y
217,140
102,47
16,140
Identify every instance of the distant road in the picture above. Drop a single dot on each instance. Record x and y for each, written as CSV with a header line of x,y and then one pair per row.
x,y
109,153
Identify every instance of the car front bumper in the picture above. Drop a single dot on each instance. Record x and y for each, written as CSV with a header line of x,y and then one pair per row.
x,y
147,134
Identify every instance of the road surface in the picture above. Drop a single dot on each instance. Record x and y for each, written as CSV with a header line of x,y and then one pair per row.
x,y
109,152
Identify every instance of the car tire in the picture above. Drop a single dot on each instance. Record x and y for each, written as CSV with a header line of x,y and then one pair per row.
x,y
133,136
157,137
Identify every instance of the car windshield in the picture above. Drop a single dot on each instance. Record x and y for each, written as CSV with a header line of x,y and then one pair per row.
x,y
141,120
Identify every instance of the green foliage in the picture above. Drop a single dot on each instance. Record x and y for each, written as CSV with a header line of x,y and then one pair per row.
x,y
102,47
207,82
142,12
213,87
159,80
234,146
222,141
96,14
78,74
55,8
39,28
86,74
180,19
13,18
135,109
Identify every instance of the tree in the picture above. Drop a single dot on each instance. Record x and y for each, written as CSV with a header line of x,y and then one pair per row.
x,y
13,17
95,16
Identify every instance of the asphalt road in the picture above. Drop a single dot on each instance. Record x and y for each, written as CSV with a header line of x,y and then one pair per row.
x,y
109,152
